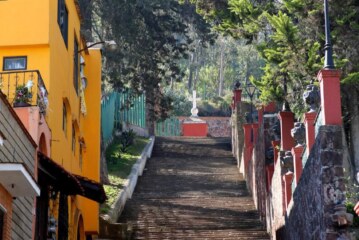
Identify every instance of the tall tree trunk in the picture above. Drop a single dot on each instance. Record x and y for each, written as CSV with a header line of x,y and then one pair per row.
x,y
221,71
190,77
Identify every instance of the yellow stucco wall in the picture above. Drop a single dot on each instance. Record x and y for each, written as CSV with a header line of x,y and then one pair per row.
x,y
91,128
24,22
30,29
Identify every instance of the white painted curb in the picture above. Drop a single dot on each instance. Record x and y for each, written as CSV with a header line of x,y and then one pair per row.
x,y
131,182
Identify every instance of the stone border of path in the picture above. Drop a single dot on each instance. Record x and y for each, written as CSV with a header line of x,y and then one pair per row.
x,y
131,182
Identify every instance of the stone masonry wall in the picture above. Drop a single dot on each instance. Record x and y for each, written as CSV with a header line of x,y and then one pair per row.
x,y
319,191
316,207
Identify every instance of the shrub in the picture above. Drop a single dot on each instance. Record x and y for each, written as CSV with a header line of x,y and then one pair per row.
x,y
127,139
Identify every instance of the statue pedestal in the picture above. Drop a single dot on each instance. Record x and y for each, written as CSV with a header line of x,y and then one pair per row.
x,y
194,127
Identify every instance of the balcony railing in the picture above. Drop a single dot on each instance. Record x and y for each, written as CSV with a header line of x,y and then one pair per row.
x,y
24,88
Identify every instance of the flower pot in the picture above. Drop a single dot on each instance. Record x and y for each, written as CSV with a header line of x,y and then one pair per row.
x,y
21,104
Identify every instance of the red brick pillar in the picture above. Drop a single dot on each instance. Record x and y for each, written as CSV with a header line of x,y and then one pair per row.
x,y
297,162
237,94
286,124
275,145
287,178
330,96
248,145
309,119
269,173
271,108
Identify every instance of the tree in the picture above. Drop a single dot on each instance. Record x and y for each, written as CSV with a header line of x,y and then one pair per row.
x,y
153,36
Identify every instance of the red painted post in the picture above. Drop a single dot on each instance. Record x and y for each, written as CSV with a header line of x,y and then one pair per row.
x,y
309,119
248,145
287,178
275,145
330,96
271,107
297,162
286,124
237,96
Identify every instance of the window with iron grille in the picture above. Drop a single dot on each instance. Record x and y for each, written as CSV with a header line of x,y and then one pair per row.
x,y
63,19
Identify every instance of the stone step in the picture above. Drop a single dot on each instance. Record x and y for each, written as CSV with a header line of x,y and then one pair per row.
x,y
191,189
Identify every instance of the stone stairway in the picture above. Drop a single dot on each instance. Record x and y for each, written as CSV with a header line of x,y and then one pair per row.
x,y
191,189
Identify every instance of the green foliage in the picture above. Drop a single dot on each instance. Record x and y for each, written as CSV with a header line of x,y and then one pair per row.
x,y
153,37
289,35
22,94
352,78
126,139
218,106
119,169
350,209
181,105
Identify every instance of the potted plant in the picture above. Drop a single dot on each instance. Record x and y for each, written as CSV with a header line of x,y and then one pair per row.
x,y
22,96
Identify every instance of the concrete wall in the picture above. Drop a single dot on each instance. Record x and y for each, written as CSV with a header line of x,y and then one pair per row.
x,y
18,148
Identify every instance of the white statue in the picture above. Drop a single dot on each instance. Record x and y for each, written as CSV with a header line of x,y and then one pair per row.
x,y
194,110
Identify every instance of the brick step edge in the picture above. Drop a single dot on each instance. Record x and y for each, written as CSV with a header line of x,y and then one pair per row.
x,y
130,183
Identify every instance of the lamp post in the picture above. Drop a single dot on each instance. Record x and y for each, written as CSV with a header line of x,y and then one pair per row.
x,y
110,44
250,89
328,61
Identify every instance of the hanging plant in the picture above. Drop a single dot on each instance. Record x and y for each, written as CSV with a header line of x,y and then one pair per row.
x,y
22,95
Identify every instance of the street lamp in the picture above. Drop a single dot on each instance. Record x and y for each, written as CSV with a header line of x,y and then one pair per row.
x,y
250,89
328,62
112,45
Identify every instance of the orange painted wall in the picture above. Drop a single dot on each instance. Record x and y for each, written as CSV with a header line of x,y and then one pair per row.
x,y
92,134
31,29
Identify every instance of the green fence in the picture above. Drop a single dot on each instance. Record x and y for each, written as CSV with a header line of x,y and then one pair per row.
x,y
108,116
119,107
131,109
171,127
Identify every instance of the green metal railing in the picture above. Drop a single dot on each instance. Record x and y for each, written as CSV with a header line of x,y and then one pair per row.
x,y
108,116
131,109
171,127
120,107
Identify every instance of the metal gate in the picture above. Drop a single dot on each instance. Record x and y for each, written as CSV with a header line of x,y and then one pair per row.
x,y
171,127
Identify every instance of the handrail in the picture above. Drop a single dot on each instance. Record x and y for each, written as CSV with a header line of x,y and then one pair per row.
x,y
18,87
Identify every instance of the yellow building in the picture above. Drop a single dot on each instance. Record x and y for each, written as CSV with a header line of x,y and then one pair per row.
x,y
45,36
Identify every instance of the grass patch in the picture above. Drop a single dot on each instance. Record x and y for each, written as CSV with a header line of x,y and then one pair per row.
x,y
119,166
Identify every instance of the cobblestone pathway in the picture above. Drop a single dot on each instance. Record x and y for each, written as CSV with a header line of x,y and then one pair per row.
x,y
191,189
